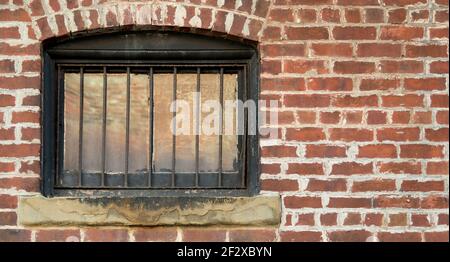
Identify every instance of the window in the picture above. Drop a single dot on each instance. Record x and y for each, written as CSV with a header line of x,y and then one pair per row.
x,y
107,117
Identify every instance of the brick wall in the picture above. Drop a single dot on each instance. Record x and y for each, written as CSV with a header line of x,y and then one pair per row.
x,y
364,92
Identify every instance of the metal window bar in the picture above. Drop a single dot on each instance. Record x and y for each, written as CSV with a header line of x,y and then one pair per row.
x,y
80,143
173,173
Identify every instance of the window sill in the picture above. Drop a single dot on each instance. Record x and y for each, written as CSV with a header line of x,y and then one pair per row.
x,y
149,211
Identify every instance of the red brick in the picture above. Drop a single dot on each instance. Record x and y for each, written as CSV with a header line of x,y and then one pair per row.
x,y
355,101
6,167
350,134
330,50
438,168
439,67
325,151
203,235
306,101
377,151
7,201
305,134
398,134
304,66
404,67
58,235
351,168
398,220
329,219
353,117
354,33
349,236
422,186
31,66
374,15
28,184
442,117
379,84
305,169
300,236
420,220
352,219
330,84
353,67
343,202
438,33
443,219
9,33
270,169
436,236
19,150
422,117
379,50
252,235
331,15
420,16
426,51
23,117
7,100
283,84
397,16
157,234
403,2
441,16
373,219
438,100
358,2
105,235
18,15
279,185
302,202
402,101
374,185
437,135
400,167
426,84
306,117
399,237
279,151
15,235
271,67
421,151
8,218
330,117
305,220
435,202
307,15
376,117
401,33
396,202
281,15
307,33
401,117
352,15
275,50
19,82
330,185
6,66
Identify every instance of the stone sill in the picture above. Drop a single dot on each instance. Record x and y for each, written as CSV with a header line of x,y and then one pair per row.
x,y
149,211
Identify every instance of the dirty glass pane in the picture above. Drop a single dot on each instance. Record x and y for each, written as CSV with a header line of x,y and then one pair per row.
x,y
209,140
162,137
185,140
92,123
116,123
230,138
71,122
139,123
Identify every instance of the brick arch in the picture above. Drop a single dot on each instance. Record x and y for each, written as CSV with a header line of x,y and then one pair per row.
x,y
244,19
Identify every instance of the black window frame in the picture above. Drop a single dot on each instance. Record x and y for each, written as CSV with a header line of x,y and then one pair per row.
x,y
137,48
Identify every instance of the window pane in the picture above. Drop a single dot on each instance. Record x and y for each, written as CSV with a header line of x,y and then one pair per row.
x,y
71,122
185,143
209,143
162,139
230,138
92,123
116,123
139,123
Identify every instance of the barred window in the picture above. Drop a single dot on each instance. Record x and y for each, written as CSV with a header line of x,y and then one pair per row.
x,y
111,104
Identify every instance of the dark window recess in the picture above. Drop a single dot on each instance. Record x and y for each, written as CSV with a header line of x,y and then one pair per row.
x,y
106,115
